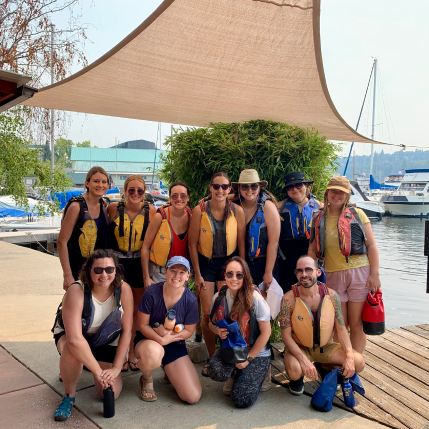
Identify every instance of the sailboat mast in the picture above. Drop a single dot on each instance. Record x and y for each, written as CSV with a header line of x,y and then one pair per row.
x,y
373,117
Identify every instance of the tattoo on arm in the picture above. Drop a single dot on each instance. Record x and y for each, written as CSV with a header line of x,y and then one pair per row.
x,y
338,312
284,318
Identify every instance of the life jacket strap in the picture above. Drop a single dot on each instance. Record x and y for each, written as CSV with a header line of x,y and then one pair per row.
x,y
146,219
121,209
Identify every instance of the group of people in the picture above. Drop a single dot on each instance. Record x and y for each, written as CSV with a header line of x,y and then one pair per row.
x,y
126,267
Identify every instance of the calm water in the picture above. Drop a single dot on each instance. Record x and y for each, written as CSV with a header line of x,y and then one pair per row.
x,y
402,270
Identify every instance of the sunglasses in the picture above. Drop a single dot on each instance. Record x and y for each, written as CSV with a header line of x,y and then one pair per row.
x,y
181,196
216,187
230,275
253,186
296,185
99,270
132,191
308,270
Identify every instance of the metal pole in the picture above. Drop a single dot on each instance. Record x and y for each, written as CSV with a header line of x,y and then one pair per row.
x,y
52,112
373,119
116,167
154,158
426,252
354,163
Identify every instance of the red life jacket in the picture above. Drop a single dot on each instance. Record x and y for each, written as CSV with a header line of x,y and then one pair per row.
x,y
351,233
220,311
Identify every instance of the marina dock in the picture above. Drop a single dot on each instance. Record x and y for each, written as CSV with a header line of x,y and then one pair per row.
x,y
395,378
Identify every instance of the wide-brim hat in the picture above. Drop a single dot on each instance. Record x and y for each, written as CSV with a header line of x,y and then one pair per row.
x,y
247,177
294,178
340,183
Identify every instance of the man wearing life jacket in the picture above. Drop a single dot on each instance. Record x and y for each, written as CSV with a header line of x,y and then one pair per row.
x,y
309,316
295,212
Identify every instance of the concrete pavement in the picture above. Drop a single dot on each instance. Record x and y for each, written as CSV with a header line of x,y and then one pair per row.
x,y
30,291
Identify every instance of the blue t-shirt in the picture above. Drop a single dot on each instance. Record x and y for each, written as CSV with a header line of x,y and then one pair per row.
x,y
152,303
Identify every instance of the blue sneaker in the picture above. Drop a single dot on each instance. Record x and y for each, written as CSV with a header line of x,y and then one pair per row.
x,y
63,411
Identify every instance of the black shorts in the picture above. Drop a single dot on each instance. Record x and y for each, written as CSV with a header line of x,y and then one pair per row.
x,y
172,351
257,269
104,353
211,269
133,273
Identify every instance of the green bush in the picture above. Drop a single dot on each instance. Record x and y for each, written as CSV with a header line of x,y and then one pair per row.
x,y
272,148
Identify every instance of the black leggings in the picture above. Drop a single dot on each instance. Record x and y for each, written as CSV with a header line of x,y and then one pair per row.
x,y
248,381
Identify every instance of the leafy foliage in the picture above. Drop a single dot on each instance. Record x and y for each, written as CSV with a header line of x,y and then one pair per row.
x,y
17,161
272,148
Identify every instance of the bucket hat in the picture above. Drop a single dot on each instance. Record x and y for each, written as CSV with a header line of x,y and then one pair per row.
x,y
340,183
250,176
294,178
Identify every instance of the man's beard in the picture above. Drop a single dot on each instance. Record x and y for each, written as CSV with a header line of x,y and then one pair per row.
x,y
308,286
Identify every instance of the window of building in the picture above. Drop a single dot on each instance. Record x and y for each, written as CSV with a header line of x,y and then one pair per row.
x,y
123,177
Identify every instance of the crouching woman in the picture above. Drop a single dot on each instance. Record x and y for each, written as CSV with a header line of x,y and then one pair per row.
x,y
167,316
94,328
239,300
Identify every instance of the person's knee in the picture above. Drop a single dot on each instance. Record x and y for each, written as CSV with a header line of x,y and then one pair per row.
x,y
150,354
293,368
359,362
243,401
191,397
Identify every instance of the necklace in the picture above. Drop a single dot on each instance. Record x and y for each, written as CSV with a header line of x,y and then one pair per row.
x,y
244,208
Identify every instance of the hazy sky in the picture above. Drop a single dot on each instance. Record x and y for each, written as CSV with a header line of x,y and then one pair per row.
x,y
353,32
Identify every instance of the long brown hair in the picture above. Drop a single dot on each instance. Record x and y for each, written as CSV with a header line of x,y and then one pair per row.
x,y
243,299
227,202
95,170
85,272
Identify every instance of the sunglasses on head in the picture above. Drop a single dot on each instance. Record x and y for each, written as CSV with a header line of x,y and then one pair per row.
x,y
132,191
216,187
99,270
230,275
253,186
177,196
296,185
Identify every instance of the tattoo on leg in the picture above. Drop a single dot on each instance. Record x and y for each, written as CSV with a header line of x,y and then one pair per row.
x,y
338,312
285,312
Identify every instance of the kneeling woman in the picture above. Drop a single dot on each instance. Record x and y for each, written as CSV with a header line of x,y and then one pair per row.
x,y
82,337
243,303
166,308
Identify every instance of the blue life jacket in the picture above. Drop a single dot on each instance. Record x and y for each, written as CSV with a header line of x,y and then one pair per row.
x,y
294,224
109,330
257,235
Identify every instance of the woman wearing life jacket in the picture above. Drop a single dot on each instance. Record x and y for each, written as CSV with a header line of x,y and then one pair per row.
x,y
84,227
168,314
82,337
295,213
240,301
262,225
129,222
342,237
167,235
217,229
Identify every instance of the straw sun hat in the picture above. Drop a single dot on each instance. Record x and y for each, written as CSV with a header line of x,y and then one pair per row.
x,y
248,177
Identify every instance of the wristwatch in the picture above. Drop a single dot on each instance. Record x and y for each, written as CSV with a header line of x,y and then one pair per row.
x,y
249,359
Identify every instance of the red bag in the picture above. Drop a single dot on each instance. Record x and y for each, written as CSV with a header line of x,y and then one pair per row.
x,y
373,314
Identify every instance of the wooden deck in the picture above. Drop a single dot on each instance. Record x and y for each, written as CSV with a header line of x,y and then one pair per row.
x,y
396,378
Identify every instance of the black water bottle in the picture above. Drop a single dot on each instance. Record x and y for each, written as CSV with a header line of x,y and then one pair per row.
x,y
108,402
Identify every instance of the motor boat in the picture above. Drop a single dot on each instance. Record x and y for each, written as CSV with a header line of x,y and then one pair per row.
x,y
372,209
412,197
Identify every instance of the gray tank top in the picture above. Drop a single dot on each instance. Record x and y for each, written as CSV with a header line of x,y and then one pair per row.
x,y
219,234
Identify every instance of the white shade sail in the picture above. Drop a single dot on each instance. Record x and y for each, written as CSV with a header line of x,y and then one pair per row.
x,y
193,62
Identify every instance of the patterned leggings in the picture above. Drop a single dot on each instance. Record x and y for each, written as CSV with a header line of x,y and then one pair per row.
x,y
247,382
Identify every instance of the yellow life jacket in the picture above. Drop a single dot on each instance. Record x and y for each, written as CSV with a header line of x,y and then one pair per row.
x,y
127,237
163,241
205,241
85,234
304,331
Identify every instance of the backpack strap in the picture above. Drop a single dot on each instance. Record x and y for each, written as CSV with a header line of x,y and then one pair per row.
x,y
121,209
357,217
117,294
87,298
146,219
221,294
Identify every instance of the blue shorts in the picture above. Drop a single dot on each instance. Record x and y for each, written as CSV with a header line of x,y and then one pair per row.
x,y
172,351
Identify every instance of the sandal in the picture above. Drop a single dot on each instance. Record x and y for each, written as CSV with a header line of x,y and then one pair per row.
x,y
136,368
227,386
204,372
143,391
124,367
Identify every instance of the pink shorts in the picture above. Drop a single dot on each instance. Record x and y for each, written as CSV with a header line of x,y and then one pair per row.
x,y
350,284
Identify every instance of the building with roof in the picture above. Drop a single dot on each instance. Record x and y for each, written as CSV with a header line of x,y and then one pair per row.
x,y
135,144
119,163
